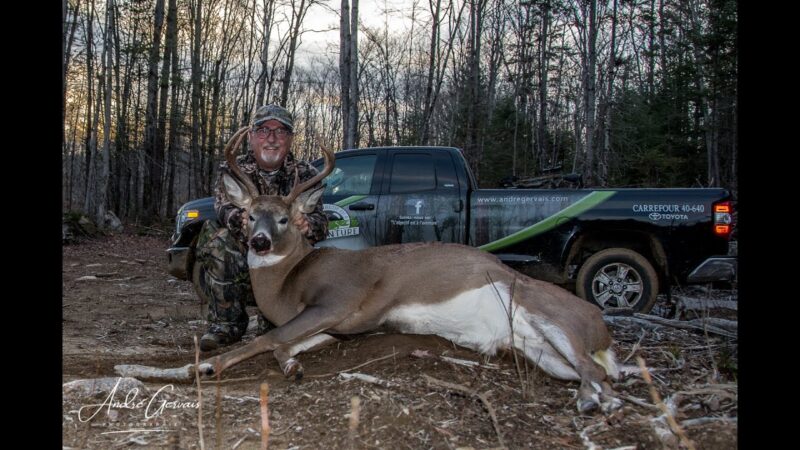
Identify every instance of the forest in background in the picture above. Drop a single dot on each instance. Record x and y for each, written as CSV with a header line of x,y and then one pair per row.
x,y
633,93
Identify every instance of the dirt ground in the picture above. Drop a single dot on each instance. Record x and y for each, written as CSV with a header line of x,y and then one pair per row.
x,y
128,310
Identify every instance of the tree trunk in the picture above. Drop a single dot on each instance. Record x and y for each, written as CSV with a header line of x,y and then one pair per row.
x,y
440,71
89,145
69,28
352,127
589,92
196,10
102,190
474,97
90,196
125,155
297,20
71,180
542,139
153,173
606,106
651,54
432,63
245,93
164,81
703,98
219,77
495,57
136,161
172,53
344,72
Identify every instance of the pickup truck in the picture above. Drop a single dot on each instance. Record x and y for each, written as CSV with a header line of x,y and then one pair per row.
x,y
618,248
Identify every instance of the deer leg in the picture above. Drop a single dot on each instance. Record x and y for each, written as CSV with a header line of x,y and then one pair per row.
x,y
594,390
570,351
591,394
206,367
545,357
608,400
285,354
311,321
592,377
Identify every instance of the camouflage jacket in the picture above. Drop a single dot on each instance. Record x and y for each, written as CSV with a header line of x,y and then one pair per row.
x,y
279,182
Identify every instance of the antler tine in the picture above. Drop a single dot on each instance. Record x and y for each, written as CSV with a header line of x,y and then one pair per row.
x,y
234,143
299,188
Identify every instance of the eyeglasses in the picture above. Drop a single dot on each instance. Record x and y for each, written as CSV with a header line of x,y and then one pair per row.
x,y
279,133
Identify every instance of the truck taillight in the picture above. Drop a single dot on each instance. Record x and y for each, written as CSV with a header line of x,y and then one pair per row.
x,y
723,219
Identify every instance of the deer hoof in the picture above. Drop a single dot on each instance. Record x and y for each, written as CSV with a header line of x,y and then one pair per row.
x,y
205,369
610,404
587,406
293,369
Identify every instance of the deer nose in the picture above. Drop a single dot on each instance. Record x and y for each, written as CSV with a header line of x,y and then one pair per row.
x,y
260,242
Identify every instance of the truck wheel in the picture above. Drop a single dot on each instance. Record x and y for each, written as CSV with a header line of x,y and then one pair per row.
x,y
618,278
199,282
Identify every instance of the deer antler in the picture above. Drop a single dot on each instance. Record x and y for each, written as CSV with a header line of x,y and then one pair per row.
x,y
299,188
234,143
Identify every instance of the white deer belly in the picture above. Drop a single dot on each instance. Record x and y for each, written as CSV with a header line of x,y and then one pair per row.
x,y
476,319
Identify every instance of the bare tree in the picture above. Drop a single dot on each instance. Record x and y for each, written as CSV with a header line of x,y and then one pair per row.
x,y
604,113
496,50
231,33
91,122
164,82
171,53
348,70
474,97
153,174
69,29
102,191
298,14
629,91
437,64
589,94
542,140
269,14
433,60
703,98
196,13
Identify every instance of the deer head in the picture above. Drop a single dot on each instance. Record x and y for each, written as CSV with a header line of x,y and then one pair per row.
x,y
270,218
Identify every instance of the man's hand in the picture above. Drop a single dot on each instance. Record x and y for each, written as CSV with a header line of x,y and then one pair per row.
x,y
302,223
238,219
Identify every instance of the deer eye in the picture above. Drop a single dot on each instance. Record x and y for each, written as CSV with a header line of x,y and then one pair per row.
x,y
252,219
283,220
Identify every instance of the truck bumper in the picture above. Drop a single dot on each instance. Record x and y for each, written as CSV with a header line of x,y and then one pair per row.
x,y
716,268
176,262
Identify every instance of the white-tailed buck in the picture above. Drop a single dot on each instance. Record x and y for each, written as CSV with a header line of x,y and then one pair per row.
x,y
458,292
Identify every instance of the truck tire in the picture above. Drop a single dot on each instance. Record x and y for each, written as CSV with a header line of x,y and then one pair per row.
x,y
618,278
198,281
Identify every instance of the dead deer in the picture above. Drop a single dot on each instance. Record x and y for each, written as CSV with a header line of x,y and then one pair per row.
x,y
454,291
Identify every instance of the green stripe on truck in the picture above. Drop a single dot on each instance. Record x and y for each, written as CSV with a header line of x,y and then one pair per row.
x,y
547,224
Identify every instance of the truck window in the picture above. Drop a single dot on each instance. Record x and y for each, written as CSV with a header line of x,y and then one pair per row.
x,y
351,176
412,172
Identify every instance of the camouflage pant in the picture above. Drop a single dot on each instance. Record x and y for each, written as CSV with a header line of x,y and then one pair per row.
x,y
227,281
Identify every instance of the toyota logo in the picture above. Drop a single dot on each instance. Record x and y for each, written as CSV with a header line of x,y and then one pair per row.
x,y
654,216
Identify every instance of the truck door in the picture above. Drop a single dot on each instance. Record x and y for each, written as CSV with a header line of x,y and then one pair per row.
x,y
350,201
419,199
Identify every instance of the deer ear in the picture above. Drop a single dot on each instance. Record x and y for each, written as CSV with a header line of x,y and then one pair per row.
x,y
307,201
235,191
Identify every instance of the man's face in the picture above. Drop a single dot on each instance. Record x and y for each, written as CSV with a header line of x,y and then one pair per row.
x,y
269,148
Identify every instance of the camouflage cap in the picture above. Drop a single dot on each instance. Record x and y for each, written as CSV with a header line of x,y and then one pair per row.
x,y
273,112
